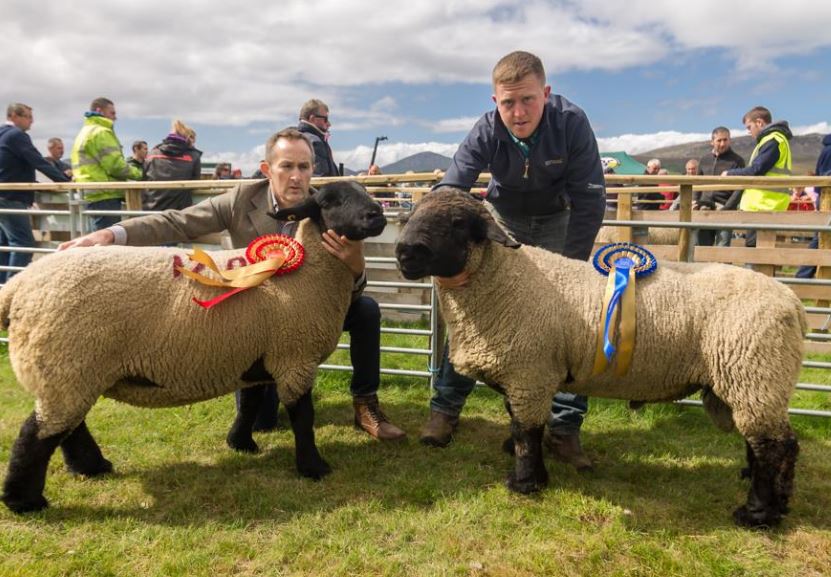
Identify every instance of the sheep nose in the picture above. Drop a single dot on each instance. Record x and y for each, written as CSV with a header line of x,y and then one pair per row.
x,y
412,252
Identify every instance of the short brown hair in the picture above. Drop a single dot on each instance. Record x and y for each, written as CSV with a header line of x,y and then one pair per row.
x,y
517,65
720,130
17,109
756,113
286,134
100,103
310,107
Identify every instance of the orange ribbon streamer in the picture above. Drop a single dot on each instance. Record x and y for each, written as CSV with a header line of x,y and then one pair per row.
x,y
238,279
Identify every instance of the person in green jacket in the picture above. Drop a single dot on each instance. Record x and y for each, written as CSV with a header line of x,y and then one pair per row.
x,y
97,157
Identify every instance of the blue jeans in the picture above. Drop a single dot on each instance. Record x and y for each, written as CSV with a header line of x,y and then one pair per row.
x,y
807,271
15,230
712,237
363,323
452,389
101,221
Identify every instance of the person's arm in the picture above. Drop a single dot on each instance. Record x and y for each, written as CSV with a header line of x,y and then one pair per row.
x,y
30,154
766,159
112,159
472,157
585,188
209,216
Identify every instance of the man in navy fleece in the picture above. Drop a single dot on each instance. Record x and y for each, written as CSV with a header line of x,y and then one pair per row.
x,y
18,161
547,190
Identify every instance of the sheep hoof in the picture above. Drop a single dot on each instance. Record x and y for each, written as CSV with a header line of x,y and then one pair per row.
x,y
525,486
242,444
508,446
315,470
764,519
97,469
21,505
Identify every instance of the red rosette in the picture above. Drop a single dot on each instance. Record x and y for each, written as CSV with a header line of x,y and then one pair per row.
x,y
259,249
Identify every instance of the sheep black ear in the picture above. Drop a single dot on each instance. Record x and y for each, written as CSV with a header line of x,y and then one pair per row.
x,y
309,208
496,234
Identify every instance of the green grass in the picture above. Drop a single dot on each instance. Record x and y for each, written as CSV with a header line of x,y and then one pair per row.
x,y
181,503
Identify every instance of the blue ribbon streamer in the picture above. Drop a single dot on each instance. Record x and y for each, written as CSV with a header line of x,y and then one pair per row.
x,y
622,267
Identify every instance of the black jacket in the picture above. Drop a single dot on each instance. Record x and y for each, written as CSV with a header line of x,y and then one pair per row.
x,y
649,196
712,165
172,159
563,170
324,161
18,161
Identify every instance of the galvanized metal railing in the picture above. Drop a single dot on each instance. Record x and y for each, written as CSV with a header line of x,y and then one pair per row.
x,y
78,212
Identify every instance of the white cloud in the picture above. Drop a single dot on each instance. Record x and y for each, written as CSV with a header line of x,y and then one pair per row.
x,y
637,143
257,61
818,128
463,124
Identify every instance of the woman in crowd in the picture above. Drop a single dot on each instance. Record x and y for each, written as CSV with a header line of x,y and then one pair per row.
x,y
175,158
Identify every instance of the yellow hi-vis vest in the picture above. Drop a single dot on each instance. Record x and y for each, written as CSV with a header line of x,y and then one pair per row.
x,y
770,199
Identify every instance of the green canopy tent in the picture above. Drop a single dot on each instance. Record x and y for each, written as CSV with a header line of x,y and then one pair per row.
x,y
626,164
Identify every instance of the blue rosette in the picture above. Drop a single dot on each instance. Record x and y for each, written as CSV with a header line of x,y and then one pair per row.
x,y
622,262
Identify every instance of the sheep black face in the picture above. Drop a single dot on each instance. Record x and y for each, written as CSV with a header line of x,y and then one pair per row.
x,y
436,239
345,207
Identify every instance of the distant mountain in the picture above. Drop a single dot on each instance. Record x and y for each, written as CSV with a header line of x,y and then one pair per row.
x,y
419,162
804,152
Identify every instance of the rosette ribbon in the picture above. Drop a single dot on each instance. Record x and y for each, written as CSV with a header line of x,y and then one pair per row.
x,y
269,255
622,263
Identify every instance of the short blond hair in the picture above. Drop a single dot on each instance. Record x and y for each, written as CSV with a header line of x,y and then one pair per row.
x,y
517,65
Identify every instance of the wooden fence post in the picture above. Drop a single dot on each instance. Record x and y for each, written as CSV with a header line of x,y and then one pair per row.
x,y
624,212
685,206
132,199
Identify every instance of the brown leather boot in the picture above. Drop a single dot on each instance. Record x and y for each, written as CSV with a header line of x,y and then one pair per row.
x,y
438,432
567,449
370,418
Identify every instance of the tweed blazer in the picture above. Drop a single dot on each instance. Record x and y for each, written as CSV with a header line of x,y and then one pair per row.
x,y
242,211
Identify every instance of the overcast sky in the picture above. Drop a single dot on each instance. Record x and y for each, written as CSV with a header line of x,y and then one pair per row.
x,y
648,73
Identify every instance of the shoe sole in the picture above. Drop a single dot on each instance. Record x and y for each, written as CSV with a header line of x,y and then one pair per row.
x,y
433,442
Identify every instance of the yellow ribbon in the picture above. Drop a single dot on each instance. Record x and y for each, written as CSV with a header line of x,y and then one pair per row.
x,y
242,277
628,323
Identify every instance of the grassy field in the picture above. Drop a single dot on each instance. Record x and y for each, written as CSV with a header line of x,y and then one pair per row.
x,y
181,503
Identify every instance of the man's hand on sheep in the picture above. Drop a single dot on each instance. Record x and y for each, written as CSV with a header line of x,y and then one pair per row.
x,y
98,238
350,252
451,282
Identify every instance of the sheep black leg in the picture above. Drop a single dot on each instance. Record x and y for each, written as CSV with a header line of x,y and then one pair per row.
x,y
26,477
82,454
783,482
771,482
308,460
529,474
508,444
747,472
239,437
